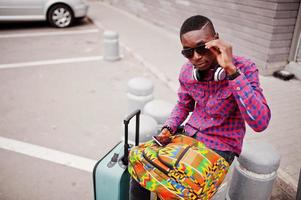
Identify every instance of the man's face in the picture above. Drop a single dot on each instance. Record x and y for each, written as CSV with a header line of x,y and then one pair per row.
x,y
196,38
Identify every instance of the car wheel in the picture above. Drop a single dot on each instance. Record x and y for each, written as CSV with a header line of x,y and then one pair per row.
x,y
60,16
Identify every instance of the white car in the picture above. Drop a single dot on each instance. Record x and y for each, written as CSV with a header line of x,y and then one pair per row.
x,y
60,13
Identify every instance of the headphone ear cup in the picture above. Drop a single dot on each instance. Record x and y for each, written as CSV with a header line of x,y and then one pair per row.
x,y
194,74
219,74
197,75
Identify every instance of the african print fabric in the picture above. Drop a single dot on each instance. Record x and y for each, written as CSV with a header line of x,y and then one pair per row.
x,y
183,169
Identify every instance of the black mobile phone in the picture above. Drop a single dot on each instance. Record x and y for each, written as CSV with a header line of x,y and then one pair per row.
x,y
157,141
162,143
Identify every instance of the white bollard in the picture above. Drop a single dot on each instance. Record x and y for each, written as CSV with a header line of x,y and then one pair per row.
x,y
111,46
159,110
255,172
139,92
147,129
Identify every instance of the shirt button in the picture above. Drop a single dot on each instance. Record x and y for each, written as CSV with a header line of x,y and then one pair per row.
x,y
237,88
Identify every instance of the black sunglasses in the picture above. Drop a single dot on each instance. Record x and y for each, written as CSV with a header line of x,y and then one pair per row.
x,y
188,52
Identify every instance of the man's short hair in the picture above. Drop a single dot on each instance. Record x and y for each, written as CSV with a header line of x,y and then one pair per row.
x,y
196,22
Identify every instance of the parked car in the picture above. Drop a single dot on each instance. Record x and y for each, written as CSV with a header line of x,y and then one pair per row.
x,y
59,13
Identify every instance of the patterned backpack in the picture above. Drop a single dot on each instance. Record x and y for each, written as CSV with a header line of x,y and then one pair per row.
x,y
183,169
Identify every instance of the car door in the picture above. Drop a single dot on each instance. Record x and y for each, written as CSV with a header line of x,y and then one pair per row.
x,y
21,9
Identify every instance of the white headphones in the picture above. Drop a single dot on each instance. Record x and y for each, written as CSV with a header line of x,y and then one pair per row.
x,y
219,74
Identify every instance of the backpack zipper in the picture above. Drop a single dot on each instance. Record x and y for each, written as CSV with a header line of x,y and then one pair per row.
x,y
182,155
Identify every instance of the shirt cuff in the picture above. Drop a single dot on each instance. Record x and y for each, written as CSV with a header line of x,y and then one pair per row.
x,y
171,128
241,86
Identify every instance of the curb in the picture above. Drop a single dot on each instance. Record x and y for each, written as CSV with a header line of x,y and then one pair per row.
x,y
287,184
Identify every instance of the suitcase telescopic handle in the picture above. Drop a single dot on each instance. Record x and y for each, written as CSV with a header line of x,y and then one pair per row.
x,y
126,122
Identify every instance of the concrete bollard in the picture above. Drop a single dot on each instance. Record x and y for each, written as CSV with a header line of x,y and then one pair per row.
x,y
255,172
111,46
139,92
147,129
159,110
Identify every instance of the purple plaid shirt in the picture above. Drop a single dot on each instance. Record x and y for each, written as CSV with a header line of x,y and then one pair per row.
x,y
220,109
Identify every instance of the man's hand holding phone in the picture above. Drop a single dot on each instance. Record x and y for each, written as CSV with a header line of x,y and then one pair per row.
x,y
163,138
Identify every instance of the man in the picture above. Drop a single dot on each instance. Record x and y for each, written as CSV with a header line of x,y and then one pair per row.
x,y
221,90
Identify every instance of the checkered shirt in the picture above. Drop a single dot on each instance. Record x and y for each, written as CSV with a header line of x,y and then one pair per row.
x,y
220,109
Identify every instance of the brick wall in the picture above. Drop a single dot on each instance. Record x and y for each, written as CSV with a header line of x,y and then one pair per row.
x,y
258,29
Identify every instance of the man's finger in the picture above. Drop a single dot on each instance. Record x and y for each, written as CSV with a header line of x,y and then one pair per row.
x,y
212,43
165,132
215,51
220,44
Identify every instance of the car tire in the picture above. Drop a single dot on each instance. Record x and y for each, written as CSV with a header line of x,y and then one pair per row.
x,y
60,16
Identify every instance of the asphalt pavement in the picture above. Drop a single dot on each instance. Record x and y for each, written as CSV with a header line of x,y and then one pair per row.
x,y
62,108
